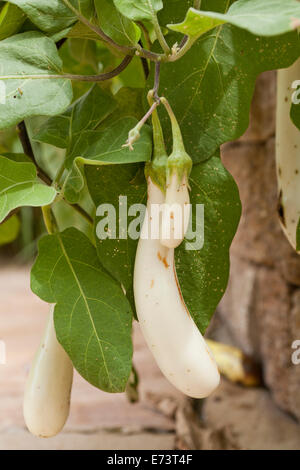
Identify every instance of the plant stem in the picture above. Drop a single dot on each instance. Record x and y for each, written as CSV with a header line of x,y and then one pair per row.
x,y
156,82
126,49
197,4
159,144
145,64
82,78
187,44
27,148
95,28
49,221
177,136
161,39
82,212
146,34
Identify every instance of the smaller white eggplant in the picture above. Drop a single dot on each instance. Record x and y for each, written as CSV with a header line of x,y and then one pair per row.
x,y
288,154
176,207
175,210
48,388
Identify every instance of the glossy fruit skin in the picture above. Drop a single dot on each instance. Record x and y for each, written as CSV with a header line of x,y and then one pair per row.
x,y
172,336
288,154
48,387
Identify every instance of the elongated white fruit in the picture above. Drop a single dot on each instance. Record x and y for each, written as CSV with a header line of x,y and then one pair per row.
x,y
171,334
48,388
288,154
175,211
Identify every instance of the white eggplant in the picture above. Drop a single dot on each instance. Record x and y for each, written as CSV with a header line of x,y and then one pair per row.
x,y
288,154
48,388
175,211
171,334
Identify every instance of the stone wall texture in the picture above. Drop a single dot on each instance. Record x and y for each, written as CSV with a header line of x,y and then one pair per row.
x,y
261,308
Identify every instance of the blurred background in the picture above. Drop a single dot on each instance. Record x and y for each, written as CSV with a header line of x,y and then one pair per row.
x,y
257,408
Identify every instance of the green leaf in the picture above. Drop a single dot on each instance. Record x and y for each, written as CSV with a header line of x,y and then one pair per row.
x,y
90,111
11,20
26,55
203,274
17,157
81,31
298,237
105,146
84,52
9,230
129,103
196,24
92,316
139,9
230,59
133,76
261,17
115,25
55,131
85,114
53,16
19,186
174,11
106,184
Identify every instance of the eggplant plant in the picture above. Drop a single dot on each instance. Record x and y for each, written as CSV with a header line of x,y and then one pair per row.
x,y
118,104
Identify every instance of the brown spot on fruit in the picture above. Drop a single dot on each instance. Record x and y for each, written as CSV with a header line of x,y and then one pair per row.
x,y
163,260
280,209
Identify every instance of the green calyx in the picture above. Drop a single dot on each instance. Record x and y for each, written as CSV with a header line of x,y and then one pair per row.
x,y
179,161
156,169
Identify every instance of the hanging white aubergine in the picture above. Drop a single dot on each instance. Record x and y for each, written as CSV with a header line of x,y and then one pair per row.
x,y
176,209
169,330
48,388
288,154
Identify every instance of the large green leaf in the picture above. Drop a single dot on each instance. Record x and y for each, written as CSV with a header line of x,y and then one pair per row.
x,y
28,55
92,316
52,16
106,184
115,25
203,274
139,9
230,59
105,146
261,17
19,186
11,20
87,113
9,230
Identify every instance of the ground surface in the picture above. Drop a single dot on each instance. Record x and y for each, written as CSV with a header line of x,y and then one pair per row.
x,y
235,417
